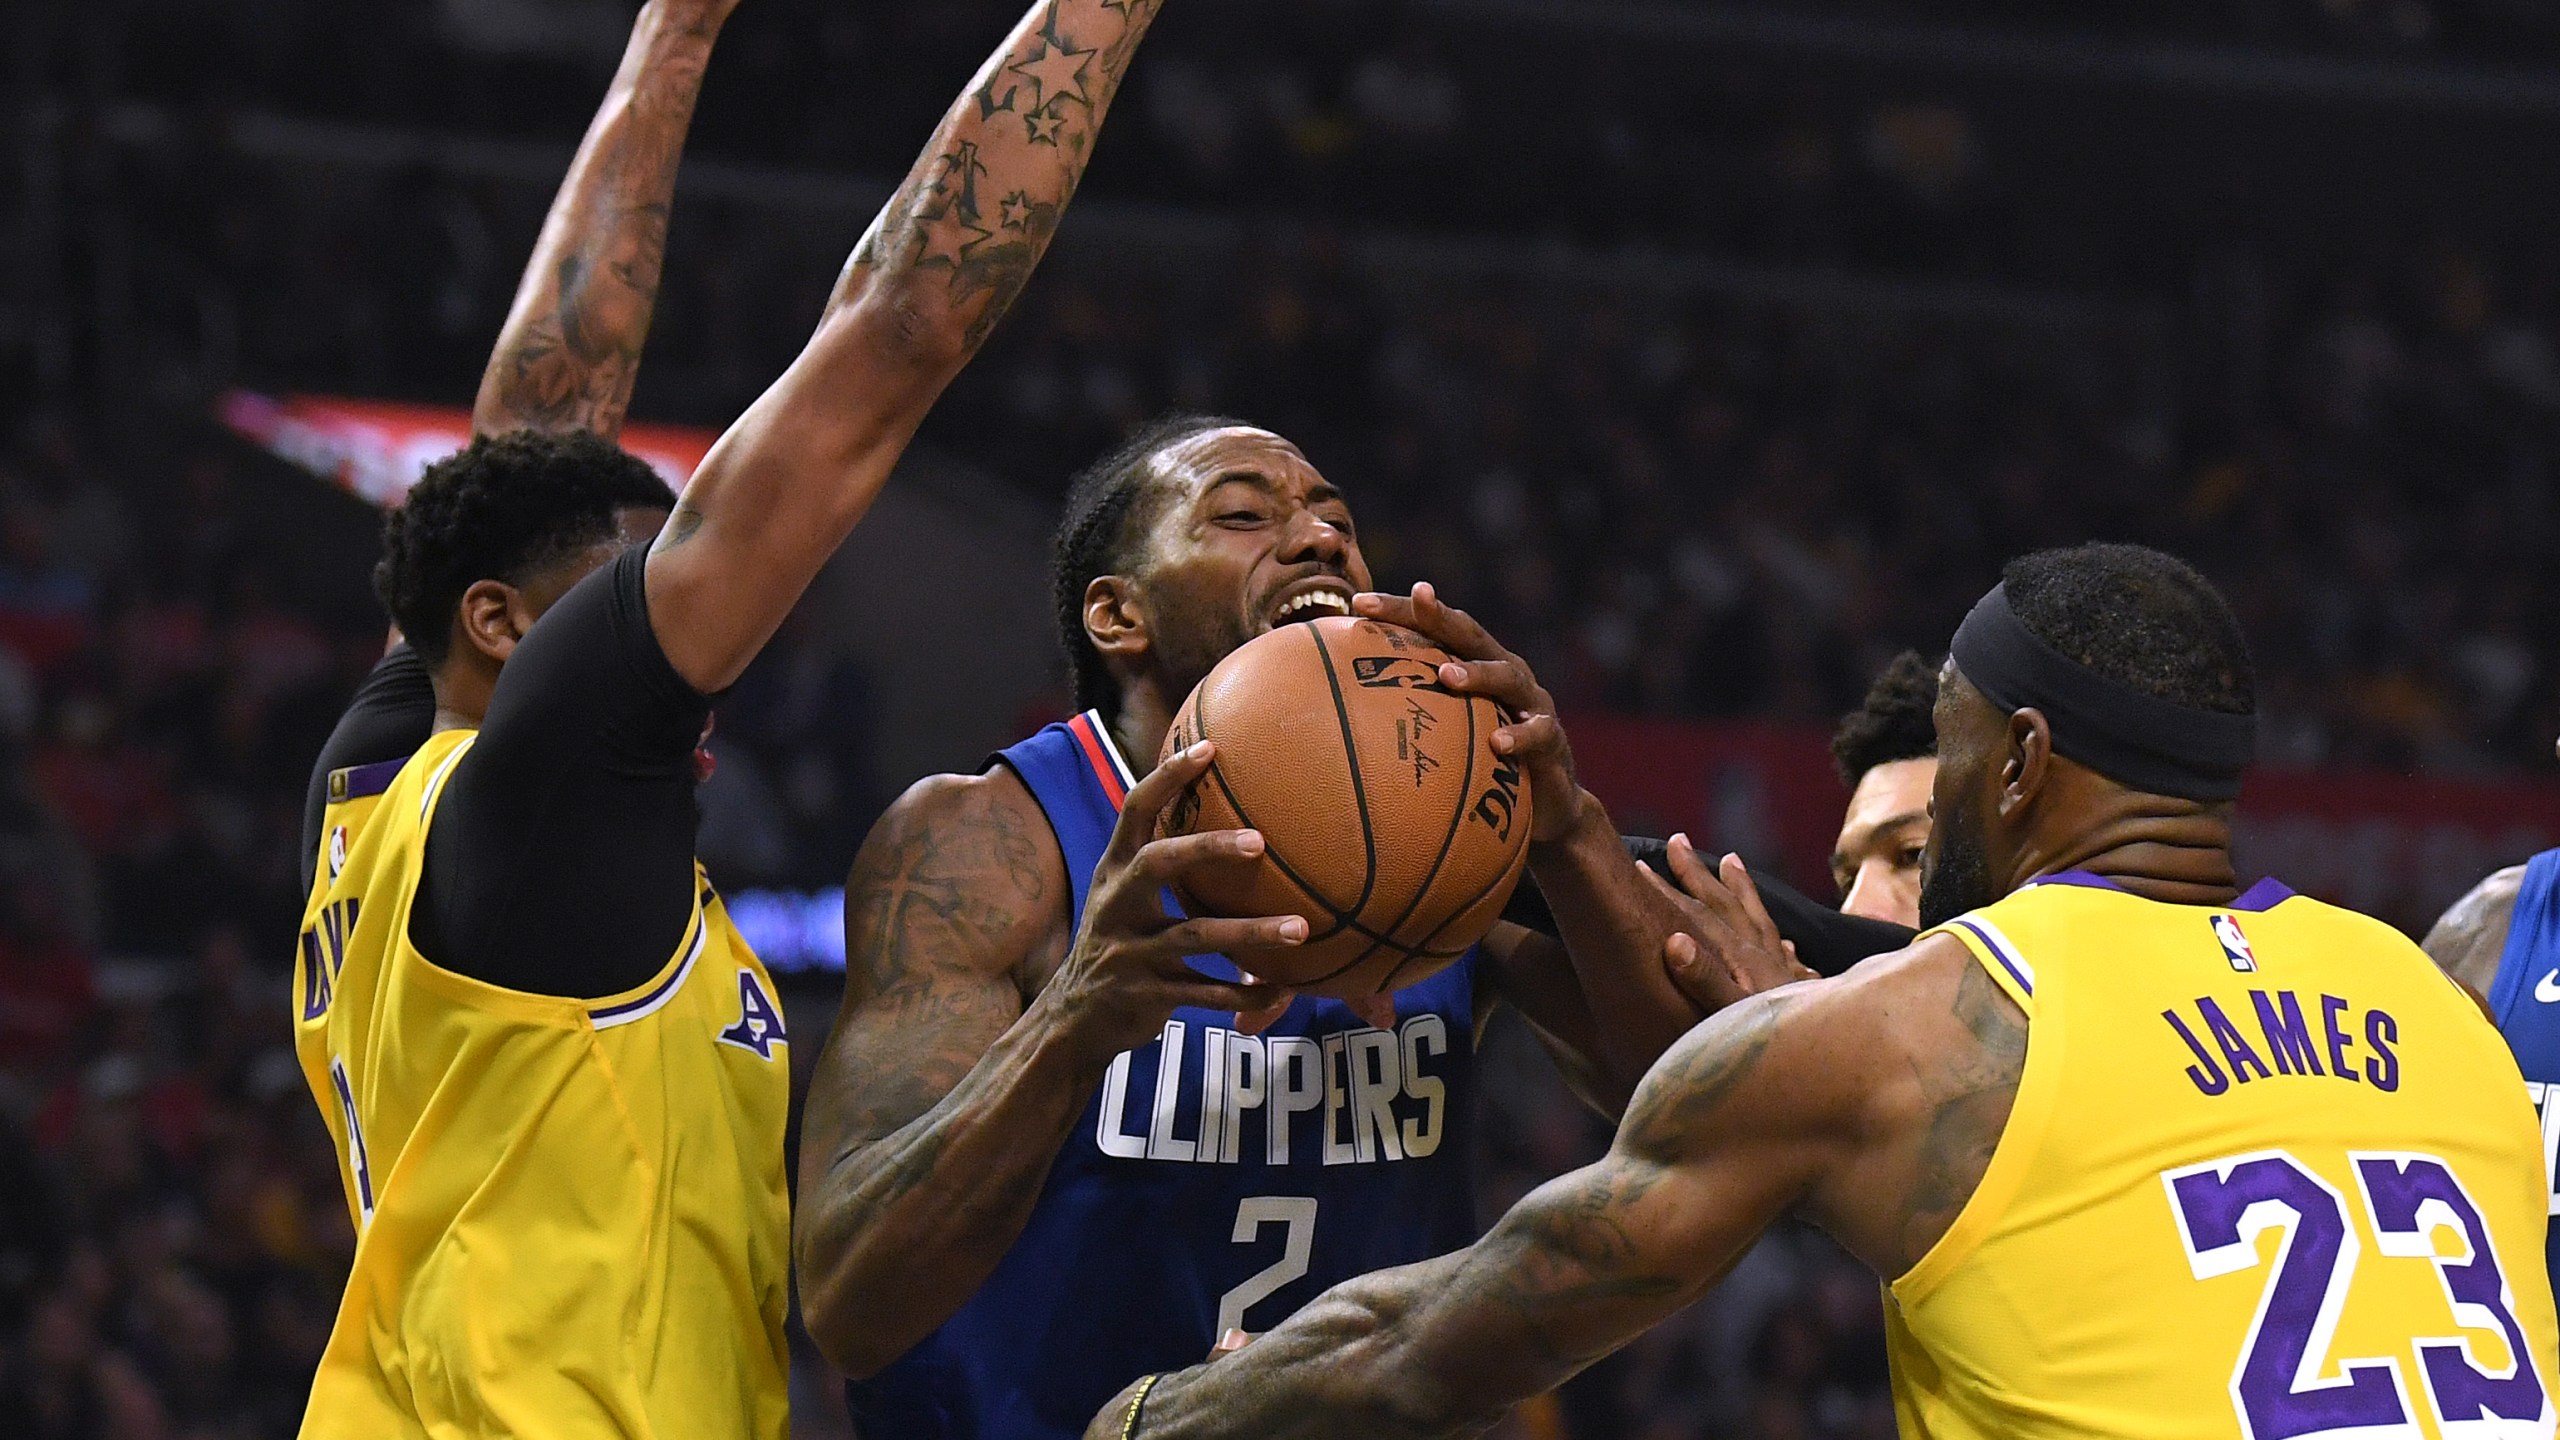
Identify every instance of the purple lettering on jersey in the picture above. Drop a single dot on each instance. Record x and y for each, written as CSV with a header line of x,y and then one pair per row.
x,y
2381,1032
2208,1076
2235,1046
2288,1034
2340,1042
759,1025
2410,1196
2222,1209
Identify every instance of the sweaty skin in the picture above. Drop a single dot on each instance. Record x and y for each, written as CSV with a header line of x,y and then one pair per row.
x,y
1870,1104
1876,860
977,1021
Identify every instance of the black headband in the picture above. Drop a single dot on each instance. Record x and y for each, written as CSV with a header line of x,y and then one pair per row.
x,y
2153,745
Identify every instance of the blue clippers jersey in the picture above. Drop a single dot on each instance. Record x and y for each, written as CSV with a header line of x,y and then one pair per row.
x,y
1217,1181
2525,998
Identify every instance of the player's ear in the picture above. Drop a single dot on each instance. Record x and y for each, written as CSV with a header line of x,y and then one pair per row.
x,y
493,618
2029,762
1112,620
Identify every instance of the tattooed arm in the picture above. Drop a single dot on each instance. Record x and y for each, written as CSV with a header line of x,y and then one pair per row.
x,y
1865,1102
943,1095
2471,939
571,347
937,269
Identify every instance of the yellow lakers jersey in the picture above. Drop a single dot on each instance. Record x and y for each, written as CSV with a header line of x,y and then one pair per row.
x,y
2269,1175
570,1214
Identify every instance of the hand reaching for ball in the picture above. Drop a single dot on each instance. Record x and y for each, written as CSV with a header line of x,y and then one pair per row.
x,y
1127,973
1534,736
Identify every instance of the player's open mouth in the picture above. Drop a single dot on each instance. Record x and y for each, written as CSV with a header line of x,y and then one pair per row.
x,y
1328,597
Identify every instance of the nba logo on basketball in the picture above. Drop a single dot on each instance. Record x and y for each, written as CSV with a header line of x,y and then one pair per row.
x,y
2235,945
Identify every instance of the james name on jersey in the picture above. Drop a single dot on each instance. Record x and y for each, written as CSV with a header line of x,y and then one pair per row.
x,y
1359,1096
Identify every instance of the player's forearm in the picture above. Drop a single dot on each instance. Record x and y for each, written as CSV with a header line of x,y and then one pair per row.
x,y
895,1234
959,240
1340,1366
1613,924
570,351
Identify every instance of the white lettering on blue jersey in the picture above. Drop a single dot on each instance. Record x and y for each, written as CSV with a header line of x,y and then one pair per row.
x,y
1348,1082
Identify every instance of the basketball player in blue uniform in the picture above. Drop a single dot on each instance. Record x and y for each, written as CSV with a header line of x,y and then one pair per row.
x,y
1042,1151
2502,941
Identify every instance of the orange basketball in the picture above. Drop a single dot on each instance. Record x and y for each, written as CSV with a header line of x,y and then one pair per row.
x,y
1387,820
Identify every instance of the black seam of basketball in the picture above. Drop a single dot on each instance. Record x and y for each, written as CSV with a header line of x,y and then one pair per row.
x,y
1421,952
1350,753
1457,819
1342,919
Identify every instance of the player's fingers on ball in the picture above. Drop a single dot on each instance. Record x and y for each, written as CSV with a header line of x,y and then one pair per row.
x,y
1505,682
1455,628
1149,798
1385,608
1536,735
1213,936
1159,861
1203,993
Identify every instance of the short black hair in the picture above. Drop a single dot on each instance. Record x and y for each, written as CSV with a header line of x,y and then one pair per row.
x,y
1099,535
1897,721
502,508
2146,620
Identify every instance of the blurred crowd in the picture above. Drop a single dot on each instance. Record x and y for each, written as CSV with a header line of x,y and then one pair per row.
x,y
1709,387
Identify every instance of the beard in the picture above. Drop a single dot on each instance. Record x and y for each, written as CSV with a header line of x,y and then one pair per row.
x,y
1188,650
1958,877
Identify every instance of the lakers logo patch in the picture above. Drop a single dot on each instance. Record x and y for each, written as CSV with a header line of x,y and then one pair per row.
x,y
759,1024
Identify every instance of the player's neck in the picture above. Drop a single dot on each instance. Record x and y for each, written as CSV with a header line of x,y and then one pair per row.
x,y
462,695
2172,851
1140,727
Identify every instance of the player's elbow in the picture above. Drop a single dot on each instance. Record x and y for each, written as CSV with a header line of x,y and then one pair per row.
x,y
849,1326
900,330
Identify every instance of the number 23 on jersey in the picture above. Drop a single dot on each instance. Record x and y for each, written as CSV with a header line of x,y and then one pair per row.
x,y
2295,1376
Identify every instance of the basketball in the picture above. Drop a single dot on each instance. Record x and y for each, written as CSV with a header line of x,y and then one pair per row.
x,y
1387,819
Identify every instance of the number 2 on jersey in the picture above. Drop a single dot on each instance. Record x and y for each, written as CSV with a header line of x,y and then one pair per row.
x,y
2278,1387
1298,1212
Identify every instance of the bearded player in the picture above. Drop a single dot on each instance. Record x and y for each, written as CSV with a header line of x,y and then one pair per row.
x,y
2140,1153
555,1074
1041,1150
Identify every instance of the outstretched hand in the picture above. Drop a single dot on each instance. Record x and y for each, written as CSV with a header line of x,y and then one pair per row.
x,y
1532,735
1728,948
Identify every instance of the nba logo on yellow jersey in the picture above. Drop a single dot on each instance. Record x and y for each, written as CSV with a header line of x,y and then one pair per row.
x,y
2235,945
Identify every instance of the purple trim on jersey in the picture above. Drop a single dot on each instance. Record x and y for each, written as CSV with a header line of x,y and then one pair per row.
x,y
2266,895
2080,878
2000,953
365,781
658,993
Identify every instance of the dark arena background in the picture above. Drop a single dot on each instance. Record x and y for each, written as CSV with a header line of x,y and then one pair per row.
x,y
1711,352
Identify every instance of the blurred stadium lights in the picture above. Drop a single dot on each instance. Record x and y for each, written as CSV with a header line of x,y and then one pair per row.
x,y
793,932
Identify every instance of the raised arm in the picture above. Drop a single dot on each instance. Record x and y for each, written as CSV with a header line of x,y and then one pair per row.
x,y
936,271
943,1096
570,351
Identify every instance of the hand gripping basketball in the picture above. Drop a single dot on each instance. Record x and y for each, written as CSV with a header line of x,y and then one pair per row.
x,y
1126,973
1534,736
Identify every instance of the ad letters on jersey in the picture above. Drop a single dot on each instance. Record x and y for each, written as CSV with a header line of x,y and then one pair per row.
x,y
1356,1097
2292,1037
